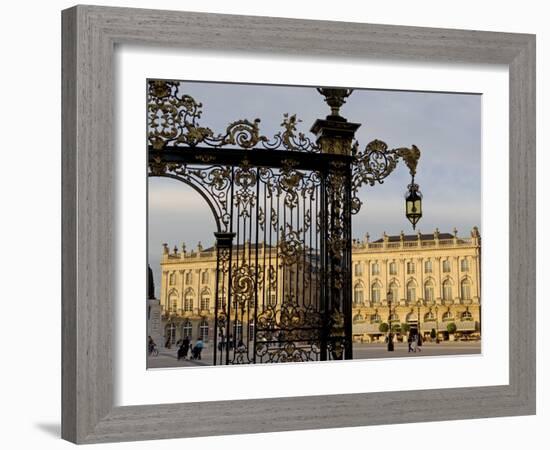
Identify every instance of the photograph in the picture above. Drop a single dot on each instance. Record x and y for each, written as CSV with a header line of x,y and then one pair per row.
x,y
301,223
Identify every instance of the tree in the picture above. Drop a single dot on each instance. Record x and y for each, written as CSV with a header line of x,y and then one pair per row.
x,y
405,327
433,333
451,328
383,328
396,328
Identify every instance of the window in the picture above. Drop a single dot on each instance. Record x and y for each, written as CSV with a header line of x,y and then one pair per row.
x,y
428,266
375,318
429,317
204,277
447,290
223,300
188,301
188,278
393,268
410,268
464,265
358,269
173,301
465,289
171,333
446,266
187,330
358,294
205,301
375,292
448,315
394,317
466,315
358,318
203,330
375,268
429,291
172,279
394,291
411,291
237,331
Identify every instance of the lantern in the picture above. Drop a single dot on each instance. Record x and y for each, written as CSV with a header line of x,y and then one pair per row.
x,y
413,204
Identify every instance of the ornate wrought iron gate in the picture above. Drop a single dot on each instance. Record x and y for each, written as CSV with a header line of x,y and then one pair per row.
x,y
283,213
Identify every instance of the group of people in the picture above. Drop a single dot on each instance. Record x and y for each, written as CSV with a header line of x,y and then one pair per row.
x,y
185,344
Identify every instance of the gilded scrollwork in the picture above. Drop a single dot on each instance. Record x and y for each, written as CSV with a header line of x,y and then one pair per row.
x,y
173,121
375,163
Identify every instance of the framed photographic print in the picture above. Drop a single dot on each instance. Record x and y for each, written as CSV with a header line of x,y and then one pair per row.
x,y
268,230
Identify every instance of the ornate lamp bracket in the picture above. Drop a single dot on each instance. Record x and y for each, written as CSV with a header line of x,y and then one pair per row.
x,y
376,163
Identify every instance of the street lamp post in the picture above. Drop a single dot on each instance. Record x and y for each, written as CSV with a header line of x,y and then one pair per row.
x,y
389,296
436,325
418,304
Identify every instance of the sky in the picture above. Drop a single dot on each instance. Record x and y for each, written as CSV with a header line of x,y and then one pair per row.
x,y
446,127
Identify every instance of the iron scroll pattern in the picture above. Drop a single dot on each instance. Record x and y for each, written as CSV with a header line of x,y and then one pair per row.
x,y
376,163
274,277
173,121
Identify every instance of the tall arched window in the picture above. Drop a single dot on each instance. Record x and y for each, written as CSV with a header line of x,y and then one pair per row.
x,y
203,330
187,329
464,265
189,278
205,300
393,268
447,290
446,265
358,269
171,333
173,301
465,289
411,291
188,300
172,280
204,277
375,268
375,292
358,294
429,291
428,266
394,289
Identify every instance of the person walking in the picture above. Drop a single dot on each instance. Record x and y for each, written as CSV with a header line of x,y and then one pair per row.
x,y
197,349
410,342
183,349
186,344
417,342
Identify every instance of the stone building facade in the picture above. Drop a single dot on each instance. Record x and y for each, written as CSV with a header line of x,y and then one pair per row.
x,y
434,277
434,280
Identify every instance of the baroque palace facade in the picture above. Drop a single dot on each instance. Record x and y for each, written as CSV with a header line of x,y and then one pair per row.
x,y
434,280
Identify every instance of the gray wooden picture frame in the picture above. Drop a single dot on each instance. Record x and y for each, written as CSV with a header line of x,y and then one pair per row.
x,y
90,34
